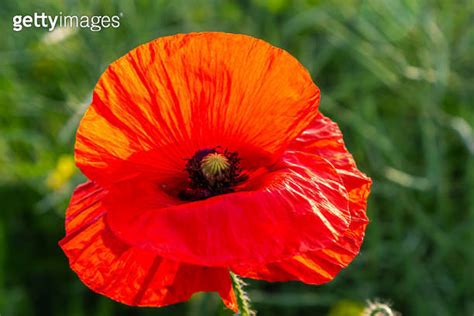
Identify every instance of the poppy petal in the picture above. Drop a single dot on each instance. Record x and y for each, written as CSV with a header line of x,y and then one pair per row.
x,y
300,205
166,99
128,274
324,138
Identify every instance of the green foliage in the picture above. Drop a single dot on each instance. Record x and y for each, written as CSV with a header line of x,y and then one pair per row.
x,y
396,75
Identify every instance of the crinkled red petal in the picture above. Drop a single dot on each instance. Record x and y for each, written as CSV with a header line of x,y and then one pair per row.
x,y
324,139
298,206
166,99
125,273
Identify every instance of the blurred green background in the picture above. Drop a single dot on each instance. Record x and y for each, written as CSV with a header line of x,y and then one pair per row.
x,y
396,75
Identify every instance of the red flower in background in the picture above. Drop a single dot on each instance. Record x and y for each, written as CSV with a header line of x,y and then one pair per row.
x,y
206,154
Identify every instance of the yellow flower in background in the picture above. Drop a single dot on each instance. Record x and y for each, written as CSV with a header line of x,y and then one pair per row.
x,y
346,308
62,173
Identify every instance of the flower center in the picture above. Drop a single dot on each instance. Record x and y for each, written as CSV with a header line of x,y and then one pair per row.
x,y
212,172
214,165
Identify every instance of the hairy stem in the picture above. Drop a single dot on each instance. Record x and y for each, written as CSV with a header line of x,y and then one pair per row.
x,y
242,298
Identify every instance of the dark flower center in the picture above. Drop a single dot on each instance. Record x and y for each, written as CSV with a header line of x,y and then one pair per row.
x,y
212,172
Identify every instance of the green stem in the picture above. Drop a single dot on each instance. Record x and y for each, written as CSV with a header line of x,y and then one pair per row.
x,y
243,300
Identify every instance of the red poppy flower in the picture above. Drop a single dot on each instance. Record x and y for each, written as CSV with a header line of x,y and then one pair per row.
x,y
206,154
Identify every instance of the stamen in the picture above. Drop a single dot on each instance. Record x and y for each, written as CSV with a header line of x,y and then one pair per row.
x,y
212,172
